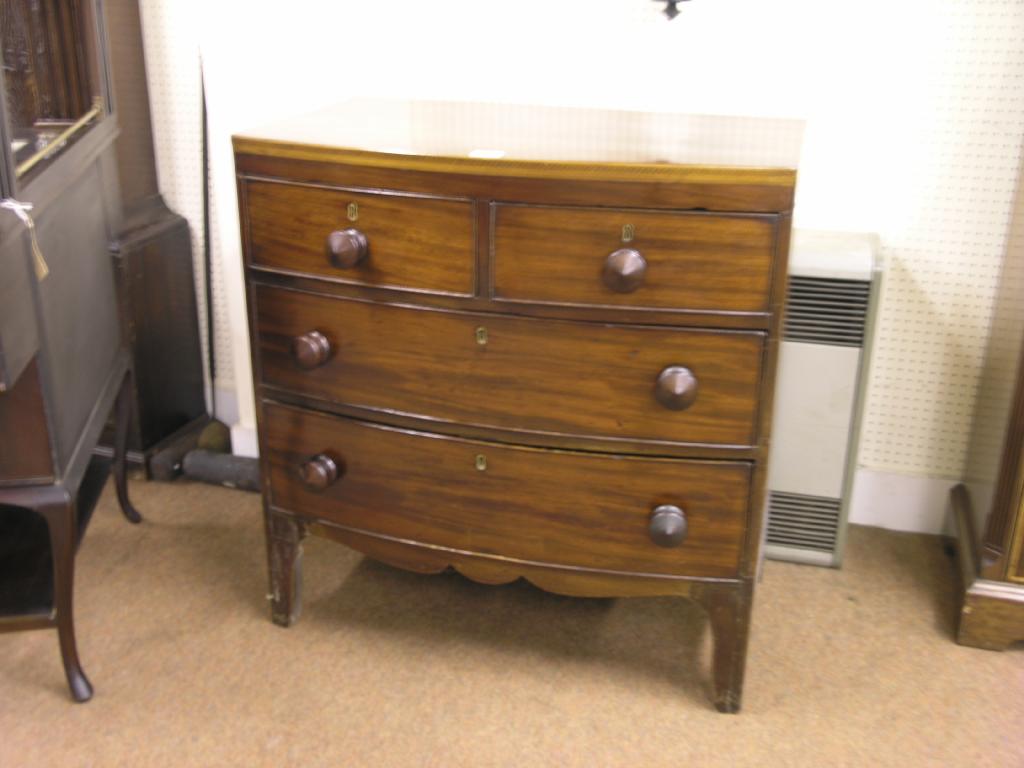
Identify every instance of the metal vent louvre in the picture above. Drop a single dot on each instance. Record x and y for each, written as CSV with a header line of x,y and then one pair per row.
x,y
808,522
827,310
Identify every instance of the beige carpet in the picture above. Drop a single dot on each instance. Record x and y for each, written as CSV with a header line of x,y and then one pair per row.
x,y
385,668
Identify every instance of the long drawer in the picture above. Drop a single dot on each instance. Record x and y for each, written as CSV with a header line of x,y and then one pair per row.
x,y
632,259
566,508
379,239
521,374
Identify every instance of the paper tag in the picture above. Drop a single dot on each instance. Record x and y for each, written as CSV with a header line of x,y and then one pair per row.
x,y
21,211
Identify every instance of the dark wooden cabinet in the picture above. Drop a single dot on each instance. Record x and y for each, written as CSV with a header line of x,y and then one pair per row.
x,y
160,326
988,507
154,275
62,362
518,367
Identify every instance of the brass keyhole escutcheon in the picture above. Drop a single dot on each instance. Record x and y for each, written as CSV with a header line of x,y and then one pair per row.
x,y
353,211
481,462
628,233
481,336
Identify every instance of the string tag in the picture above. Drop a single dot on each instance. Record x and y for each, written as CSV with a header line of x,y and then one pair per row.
x,y
21,211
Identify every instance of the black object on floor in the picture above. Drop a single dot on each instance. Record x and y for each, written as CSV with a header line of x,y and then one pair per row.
x,y
223,469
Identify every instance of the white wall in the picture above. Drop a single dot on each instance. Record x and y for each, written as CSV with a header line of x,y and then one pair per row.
x,y
915,117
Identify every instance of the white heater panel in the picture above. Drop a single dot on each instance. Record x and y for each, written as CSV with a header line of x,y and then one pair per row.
x,y
832,298
816,386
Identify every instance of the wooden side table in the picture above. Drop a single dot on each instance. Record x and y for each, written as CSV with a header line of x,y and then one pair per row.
x,y
42,526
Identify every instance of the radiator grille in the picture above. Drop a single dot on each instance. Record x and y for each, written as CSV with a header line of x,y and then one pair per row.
x,y
827,311
808,522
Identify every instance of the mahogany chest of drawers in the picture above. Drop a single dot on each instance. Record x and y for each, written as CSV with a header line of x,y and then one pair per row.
x,y
513,366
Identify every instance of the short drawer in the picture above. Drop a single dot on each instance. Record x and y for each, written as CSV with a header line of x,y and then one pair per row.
x,y
567,508
384,240
632,259
528,375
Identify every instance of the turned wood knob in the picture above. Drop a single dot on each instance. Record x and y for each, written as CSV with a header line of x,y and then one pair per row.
x,y
311,349
347,247
624,270
667,527
319,472
676,388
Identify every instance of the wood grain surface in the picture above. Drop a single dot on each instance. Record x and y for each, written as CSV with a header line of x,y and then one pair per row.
x,y
25,452
418,243
989,620
755,321
991,612
489,404
695,261
530,375
488,569
542,506
655,185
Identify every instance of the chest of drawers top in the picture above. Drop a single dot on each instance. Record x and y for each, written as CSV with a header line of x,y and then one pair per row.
x,y
471,134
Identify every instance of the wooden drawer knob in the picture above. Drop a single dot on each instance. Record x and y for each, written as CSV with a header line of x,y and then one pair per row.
x,y
624,270
347,247
311,349
676,388
319,472
667,527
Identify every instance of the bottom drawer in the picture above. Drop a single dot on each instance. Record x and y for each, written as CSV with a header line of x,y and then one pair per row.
x,y
566,508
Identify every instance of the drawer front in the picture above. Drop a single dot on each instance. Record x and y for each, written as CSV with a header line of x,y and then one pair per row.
x,y
575,509
690,261
529,375
416,243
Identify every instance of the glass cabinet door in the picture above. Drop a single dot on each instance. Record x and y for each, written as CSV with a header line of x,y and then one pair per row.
x,y
53,89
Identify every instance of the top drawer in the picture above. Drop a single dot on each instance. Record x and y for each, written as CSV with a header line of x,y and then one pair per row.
x,y
633,259
384,240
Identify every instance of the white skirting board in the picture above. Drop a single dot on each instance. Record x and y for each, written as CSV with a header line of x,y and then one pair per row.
x,y
243,435
900,502
244,442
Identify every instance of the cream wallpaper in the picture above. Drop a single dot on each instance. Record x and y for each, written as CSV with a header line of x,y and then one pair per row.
x,y
914,110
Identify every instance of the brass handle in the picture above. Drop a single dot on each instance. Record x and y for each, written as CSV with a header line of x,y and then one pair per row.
x,y
311,349
624,270
347,247
667,526
319,472
676,388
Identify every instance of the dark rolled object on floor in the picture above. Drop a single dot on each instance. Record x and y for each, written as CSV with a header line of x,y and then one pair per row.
x,y
223,469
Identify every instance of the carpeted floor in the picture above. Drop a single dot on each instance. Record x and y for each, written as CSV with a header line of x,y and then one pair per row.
x,y
386,668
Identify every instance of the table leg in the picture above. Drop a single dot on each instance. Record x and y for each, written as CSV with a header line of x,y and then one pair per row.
x,y
122,417
284,552
728,608
60,519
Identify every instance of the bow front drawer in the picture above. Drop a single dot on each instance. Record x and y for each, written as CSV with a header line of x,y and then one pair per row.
x,y
387,240
526,375
633,259
596,511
